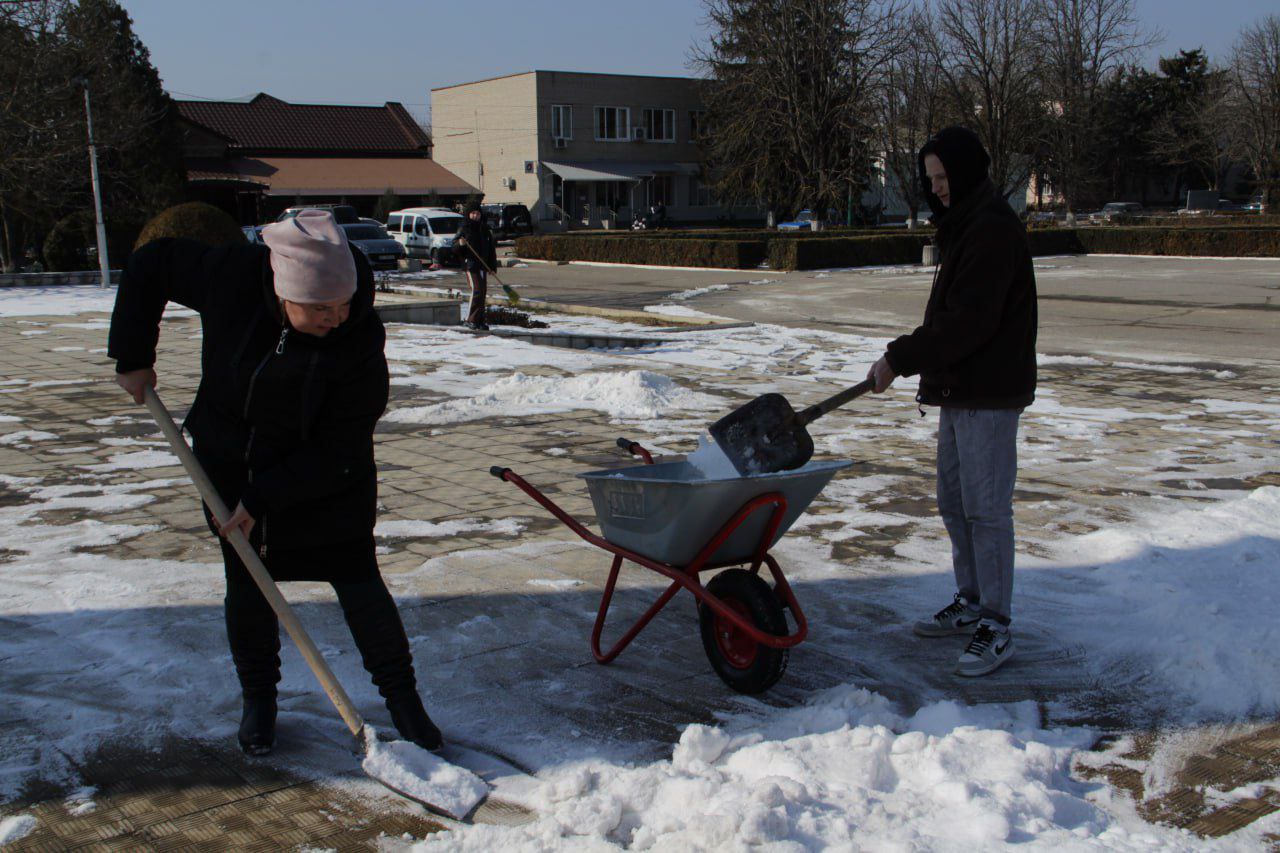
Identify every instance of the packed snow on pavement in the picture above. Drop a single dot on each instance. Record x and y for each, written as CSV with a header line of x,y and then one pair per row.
x,y
1175,602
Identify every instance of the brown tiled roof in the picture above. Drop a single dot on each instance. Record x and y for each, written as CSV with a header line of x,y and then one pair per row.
x,y
267,124
290,176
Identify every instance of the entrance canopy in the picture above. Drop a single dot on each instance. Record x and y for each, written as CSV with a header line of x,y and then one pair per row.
x,y
618,170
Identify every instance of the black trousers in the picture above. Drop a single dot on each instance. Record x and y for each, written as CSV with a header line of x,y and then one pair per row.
x,y
253,632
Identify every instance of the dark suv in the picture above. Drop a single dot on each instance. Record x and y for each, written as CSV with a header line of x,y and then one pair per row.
x,y
507,220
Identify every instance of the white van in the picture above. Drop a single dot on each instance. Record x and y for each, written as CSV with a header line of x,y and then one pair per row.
x,y
426,232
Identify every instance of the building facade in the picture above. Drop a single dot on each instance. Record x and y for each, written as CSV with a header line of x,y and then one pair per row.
x,y
579,149
255,158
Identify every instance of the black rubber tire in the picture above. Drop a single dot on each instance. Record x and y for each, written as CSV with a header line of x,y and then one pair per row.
x,y
748,592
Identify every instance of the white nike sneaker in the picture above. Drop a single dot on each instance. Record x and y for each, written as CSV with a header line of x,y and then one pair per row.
x,y
991,646
956,618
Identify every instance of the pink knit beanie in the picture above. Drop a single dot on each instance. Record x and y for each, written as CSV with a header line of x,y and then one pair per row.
x,y
310,258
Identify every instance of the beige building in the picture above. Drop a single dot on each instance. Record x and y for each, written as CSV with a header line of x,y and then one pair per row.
x,y
579,149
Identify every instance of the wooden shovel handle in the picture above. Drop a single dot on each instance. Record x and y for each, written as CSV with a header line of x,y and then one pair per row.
x,y
251,562
817,410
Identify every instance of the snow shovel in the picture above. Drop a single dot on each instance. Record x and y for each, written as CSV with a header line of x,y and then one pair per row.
x,y
767,435
405,768
513,298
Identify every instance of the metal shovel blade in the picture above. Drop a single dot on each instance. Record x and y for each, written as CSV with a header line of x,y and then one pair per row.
x,y
767,435
763,436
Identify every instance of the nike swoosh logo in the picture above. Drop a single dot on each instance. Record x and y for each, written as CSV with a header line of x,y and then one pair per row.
x,y
1000,649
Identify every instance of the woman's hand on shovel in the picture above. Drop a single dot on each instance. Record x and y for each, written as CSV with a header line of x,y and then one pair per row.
x,y
882,374
135,381
240,519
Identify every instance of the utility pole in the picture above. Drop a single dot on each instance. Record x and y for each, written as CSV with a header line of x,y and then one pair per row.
x,y
104,263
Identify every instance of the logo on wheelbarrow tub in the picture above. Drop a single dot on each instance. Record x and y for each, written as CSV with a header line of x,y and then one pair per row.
x,y
626,500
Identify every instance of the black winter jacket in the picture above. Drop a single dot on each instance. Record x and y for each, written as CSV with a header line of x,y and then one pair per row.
x,y
480,238
977,345
282,421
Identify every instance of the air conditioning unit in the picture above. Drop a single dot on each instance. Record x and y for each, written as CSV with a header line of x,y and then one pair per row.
x,y
561,142
508,183
639,133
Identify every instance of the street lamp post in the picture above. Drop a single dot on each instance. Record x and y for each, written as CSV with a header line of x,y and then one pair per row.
x,y
104,263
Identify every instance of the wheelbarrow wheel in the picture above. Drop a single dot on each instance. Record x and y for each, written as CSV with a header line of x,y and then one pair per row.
x,y
742,663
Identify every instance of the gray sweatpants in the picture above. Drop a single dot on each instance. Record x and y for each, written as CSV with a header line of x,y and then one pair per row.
x,y
977,466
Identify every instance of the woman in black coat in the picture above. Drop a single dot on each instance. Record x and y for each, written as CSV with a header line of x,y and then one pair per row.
x,y
293,380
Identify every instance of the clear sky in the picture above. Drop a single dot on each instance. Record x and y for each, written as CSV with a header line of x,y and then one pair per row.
x,y
321,51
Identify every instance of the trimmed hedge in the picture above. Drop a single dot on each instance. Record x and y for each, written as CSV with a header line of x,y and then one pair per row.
x,y
1211,242
873,251
821,252
731,254
1214,220
194,220
67,247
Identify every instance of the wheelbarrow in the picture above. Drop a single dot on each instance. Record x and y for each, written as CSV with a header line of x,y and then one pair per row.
x,y
670,518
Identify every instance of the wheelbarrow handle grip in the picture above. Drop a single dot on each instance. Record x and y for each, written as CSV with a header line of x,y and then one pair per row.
x,y
635,449
499,472
817,410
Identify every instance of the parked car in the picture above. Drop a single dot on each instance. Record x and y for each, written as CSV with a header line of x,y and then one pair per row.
x,y
426,232
1257,204
252,233
343,214
381,249
803,218
1116,208
507,220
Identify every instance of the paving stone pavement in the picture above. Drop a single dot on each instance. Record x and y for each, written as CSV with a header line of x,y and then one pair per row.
x,y
479,592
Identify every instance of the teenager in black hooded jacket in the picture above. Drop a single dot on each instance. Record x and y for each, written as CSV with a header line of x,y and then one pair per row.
x,y
975,354
293,380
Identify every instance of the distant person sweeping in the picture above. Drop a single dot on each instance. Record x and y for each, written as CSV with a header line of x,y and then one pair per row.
x,y
479,255
975,353
293,380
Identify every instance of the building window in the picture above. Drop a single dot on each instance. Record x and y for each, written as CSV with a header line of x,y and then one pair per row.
x,y
699,125
561,122
613,124
661,124
700,193
661,190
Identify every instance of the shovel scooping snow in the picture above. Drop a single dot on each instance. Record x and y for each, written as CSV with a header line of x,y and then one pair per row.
x,y
766,435
404,767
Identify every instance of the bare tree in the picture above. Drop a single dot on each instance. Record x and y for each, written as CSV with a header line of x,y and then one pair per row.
x,y
987,53
790,97
1255,74
908,110
1082,46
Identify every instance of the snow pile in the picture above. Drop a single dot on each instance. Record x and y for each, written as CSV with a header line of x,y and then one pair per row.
x,y
16,828
1185,602
633,394
843,772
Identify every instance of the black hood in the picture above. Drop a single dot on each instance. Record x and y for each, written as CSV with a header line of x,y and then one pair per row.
x,y
965,160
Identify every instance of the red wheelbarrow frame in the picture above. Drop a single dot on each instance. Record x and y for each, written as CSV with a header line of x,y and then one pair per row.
x,y
683,577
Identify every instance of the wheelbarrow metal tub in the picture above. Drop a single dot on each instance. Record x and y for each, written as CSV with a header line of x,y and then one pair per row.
x,y
665,510
671,519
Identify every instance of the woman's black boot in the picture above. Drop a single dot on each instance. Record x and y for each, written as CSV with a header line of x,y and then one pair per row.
x,y
411,720
258,725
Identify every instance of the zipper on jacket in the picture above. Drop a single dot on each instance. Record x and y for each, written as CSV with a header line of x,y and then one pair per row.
x,y
248,445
